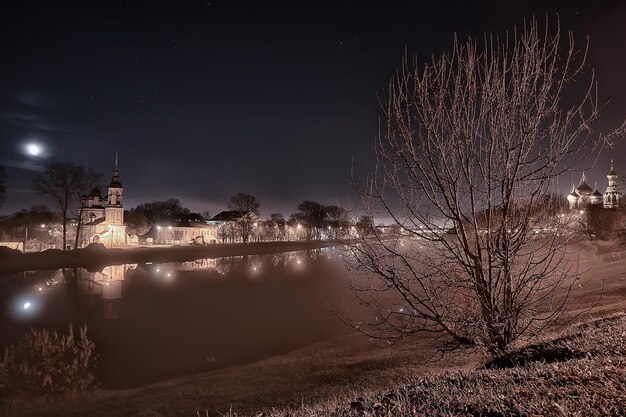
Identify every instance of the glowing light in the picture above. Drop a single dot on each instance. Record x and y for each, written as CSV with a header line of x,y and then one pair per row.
x,y
169,275
169,227
40,289
26,305
158,227
33,149
43,225
158,269
299,262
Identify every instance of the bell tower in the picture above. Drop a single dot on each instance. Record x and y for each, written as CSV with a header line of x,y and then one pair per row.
x,y
612,196
115,209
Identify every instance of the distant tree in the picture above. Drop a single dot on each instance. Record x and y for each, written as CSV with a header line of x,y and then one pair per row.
x,y
273,228
365,225
206,214
89,181
311,215
226,232
65,183
337,220
136,221
277,221
251,207
165,212
245,202
33,223
601,223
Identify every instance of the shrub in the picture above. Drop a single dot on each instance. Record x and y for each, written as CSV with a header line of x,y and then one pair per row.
x,y
45,362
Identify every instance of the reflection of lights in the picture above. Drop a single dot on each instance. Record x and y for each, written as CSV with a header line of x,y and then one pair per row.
x,y
26,305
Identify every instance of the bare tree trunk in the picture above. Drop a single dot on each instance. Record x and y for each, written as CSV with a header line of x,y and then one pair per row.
x,y
79,224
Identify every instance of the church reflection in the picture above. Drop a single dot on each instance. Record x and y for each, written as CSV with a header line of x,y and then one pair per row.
x,y
107,285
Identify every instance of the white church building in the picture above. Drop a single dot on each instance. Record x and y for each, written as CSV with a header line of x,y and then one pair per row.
x,y
583,194
103,217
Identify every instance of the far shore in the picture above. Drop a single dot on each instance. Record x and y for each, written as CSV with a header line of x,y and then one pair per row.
x,y
97,256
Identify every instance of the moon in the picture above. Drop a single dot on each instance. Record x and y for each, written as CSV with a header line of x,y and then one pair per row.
x,y
33,149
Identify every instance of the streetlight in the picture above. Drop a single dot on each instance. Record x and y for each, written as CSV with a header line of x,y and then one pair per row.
x,y
42,226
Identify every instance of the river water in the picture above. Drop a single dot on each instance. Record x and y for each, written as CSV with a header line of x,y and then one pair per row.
x,y
152,322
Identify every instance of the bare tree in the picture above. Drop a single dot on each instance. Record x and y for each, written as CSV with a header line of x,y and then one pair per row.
x,y
473,145
65,183
137,221
337,220
250,207
88,181
311,215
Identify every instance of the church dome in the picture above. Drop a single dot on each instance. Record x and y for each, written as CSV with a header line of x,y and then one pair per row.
x,y
95,192
583,188
115,180
573,196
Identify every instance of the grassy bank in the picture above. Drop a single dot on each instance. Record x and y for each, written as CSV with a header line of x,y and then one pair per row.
x,y
581,373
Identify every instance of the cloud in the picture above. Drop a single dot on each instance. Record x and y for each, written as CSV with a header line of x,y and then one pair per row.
x,y
25,165
32,98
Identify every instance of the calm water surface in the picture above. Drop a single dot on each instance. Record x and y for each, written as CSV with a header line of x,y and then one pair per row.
x,y
156,321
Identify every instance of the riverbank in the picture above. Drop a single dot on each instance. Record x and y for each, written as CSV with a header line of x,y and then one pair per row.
x,y
348,376
580,372
96,256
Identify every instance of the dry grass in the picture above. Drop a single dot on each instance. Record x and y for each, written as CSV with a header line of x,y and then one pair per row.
x,y
582,373
45,362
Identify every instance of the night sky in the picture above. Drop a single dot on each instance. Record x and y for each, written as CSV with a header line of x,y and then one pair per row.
x,y
204,99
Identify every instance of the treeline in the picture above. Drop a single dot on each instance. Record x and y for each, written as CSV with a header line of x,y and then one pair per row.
x,y
67,185
311,221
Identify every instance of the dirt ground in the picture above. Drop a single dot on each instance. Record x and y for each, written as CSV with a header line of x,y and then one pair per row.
x,y
318,372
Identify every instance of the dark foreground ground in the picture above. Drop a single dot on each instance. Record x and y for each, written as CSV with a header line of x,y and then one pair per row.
x,y
576,371
579,373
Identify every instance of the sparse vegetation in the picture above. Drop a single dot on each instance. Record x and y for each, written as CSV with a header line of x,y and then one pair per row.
x,y
582,373
45,362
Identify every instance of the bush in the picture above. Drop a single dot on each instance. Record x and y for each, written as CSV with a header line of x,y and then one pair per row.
x,y
45,362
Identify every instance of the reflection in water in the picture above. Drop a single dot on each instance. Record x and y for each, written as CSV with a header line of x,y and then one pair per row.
x,y
153,321
106,283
